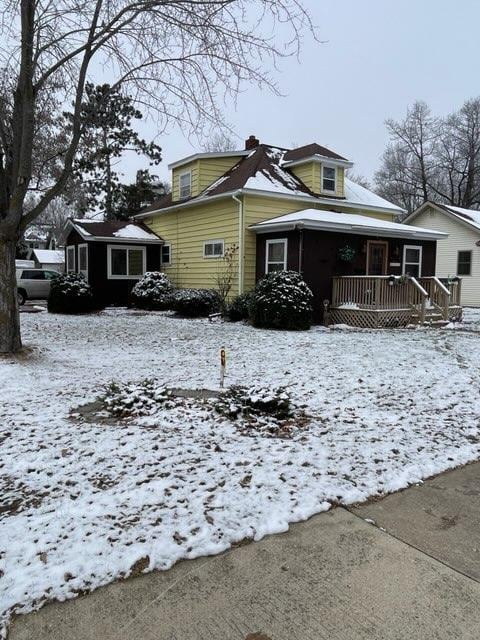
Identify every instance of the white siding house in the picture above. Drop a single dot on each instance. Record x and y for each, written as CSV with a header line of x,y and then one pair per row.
x,y
459,254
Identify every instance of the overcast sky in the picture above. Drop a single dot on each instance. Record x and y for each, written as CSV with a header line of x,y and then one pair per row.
x,y
378,58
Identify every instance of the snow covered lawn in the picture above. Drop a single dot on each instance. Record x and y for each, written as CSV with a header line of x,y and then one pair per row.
x,y
84,503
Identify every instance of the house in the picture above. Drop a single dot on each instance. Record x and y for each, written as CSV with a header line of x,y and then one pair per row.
x,y
39,236
112,256
459,255
53,259
296,209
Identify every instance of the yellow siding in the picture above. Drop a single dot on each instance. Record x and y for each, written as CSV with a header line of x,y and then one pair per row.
x,y
306,173
186,230
213,168
340,190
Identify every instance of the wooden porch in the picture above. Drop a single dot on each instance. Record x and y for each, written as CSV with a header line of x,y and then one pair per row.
x,y
393,301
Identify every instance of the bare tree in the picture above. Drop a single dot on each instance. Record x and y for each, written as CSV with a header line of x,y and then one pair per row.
x,y
220,141
174,56
433,158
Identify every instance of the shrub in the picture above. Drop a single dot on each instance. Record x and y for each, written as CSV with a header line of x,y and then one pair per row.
x,y
71,293
282,300
153,291
238,309
196,303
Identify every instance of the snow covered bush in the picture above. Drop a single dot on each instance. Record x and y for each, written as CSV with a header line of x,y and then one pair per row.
x,y
135,398
153,292
196,303
238,308
71,293
282,300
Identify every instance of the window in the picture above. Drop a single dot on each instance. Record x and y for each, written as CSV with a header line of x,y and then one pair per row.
x,y
464,263
185,182
213,249
50,275
71,258
127,263
412,261
33,275
276,255
83,259
329,175
166,256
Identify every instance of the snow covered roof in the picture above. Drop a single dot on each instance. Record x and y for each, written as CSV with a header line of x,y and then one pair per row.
x,y
344,223
113,231
265,170
470,217
49,256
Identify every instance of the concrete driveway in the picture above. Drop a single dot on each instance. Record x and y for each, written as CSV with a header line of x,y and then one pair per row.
x,y
336,576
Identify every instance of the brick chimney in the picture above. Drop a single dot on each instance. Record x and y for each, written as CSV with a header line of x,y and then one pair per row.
x,y
251,143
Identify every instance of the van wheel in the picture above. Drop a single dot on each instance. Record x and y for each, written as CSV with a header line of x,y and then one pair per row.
x,y
21,296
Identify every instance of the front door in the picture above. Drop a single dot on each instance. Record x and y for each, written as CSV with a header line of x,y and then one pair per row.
x,y
377,258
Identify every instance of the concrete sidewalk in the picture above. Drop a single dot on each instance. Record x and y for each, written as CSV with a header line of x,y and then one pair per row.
x,y
335,577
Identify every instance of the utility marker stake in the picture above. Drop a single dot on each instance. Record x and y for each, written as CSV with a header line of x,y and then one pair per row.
x,y
223,360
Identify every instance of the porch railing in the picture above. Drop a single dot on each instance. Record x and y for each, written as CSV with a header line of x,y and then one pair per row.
x,y
454,286
395,293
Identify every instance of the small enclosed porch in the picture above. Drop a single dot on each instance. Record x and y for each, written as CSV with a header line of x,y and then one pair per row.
x,y
393,301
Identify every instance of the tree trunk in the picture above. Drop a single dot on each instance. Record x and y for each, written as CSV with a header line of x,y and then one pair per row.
x,y
10,340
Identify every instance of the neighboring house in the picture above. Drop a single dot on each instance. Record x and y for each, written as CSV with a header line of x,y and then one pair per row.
x,y
459,254
38,236
287,209
112,256
53,259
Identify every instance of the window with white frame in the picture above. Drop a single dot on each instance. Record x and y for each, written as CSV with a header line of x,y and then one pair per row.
x,y
71,258
185,184
166,257
83,259
412,260
213,249
329,178
276,255
126,262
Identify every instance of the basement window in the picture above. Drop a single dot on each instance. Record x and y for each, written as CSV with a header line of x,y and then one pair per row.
x,y
464,263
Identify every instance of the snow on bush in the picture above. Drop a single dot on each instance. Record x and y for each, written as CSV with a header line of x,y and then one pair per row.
x,y
153,292
196,303
136,399
268,411
70,293
239,307
282,300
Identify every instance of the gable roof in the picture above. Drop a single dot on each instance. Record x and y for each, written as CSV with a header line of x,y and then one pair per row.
x,y
123,231
265,171
345,223
309,150
470,217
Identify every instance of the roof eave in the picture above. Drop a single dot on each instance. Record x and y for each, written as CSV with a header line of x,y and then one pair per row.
x,y
204,156
343,228
320,159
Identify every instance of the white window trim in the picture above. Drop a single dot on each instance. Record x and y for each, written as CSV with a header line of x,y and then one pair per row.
x,y
135,247
276,241
328,166
85,271
222,242
180,176
166,264
71,250
417,247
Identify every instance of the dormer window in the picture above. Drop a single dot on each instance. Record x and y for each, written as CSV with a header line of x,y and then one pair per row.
x,y
329,175
185,183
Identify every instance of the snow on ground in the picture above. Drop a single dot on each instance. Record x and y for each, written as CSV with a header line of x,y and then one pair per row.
x,y
82,504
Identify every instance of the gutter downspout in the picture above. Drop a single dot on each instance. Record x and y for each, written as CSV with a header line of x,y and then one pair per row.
x,y
240,239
